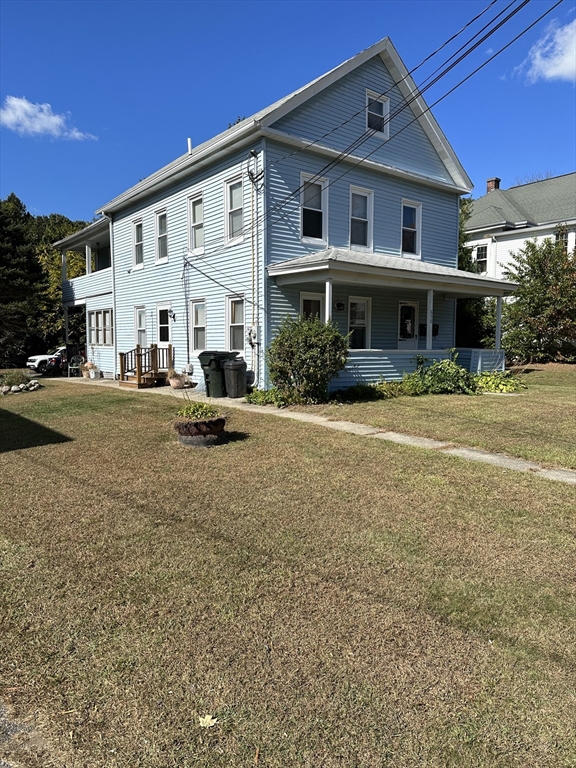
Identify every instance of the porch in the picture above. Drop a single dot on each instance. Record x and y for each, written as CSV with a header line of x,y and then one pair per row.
x,y
144,367
368,366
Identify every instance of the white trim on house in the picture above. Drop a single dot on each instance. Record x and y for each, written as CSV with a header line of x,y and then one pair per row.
x,y
160,237
307,296
308,180
194,347
231,213
369,195
230,325
417,229
140,330
376,122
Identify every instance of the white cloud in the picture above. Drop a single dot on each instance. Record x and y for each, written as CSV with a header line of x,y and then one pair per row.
x,y
28,119
553,57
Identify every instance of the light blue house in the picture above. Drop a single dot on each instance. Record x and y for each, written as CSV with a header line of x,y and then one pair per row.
x,y
341,199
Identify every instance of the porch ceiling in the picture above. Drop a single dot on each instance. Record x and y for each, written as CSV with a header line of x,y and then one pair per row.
x,y
347,266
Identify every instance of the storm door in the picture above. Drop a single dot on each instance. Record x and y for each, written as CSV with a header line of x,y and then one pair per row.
x,y
408,325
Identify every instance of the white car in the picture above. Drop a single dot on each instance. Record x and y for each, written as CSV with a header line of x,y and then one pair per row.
x,y
37,363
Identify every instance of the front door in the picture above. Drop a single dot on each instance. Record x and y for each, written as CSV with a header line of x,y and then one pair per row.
x,y
408,325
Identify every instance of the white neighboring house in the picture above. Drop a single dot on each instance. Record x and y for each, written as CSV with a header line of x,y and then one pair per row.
x,y
503,219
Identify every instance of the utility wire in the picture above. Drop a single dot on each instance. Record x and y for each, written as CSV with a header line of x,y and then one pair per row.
x,y
290,197
277,207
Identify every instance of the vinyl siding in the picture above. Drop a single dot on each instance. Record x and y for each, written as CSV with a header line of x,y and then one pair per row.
x,y
439,226
408,148
224,269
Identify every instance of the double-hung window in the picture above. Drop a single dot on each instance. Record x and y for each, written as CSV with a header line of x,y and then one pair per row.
x,y
377,114
411,226
196,214
361,202
140,325
198,320
313,199
234,213
236,323
359,310
138,244
161,236
312,304
100,329
482,258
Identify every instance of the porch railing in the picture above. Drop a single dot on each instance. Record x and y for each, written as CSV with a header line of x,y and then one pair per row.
x,y
145,362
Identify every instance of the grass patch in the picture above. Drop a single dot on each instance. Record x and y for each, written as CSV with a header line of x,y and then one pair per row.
x,y
536,424
329,600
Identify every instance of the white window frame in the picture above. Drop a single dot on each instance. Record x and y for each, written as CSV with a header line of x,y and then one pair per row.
x,y
321,297
137,327
307,178
229,324
159,308
483,258
418,207
369,194
160,237
194,327
193,226
372,96
368,325
101,328
232,239
137,245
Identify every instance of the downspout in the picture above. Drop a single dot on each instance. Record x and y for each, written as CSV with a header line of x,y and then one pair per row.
x,y
114,316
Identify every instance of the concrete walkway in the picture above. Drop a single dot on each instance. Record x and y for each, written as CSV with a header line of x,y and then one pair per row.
x,y
471,454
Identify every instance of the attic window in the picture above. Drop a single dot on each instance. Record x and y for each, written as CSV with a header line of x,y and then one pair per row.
x,y
377,113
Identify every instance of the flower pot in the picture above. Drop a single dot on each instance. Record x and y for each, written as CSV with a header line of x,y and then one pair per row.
x,y
201,433
176,383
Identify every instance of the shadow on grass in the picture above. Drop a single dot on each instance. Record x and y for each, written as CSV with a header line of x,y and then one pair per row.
x,y
16,433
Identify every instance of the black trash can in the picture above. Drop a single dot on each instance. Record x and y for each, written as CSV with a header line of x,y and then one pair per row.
x,y
235,377
211,364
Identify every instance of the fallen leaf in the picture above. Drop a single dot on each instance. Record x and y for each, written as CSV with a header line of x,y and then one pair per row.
x,y
207,721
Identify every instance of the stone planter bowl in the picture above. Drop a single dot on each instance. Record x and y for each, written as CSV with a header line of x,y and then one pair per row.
x,y
201,433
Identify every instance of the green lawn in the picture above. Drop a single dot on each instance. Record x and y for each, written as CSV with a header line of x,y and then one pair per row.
x,y
537,424
328,599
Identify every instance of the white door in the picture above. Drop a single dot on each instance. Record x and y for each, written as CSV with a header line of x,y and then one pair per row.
x,y
408,325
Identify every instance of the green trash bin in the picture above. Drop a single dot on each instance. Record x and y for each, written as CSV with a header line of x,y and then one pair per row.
x,y
211,363
235,377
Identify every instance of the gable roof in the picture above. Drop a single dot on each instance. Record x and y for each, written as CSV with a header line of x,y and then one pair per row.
x,y
247,130
551,201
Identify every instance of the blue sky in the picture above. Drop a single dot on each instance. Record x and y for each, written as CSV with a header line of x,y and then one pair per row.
x,y
97,94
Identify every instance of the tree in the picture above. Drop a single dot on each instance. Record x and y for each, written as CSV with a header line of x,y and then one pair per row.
x,y
30,279
472,315
539,324
20,276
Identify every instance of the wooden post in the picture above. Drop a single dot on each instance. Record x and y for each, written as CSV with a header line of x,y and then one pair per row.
x,y
154,359
138,367
122,364
170,357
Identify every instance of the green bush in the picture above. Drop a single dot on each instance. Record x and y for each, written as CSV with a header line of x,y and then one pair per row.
x,y
498,381
304,356
266,397
443,377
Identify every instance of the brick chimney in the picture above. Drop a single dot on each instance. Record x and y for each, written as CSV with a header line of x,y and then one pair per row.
x,y
492,184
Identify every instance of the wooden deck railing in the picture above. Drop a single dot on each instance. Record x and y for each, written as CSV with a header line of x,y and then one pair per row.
x,y
146,362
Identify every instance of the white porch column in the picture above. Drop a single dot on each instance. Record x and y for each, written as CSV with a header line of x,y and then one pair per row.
x,y
498,339
66,325
88,260
328,301
63,255
429,318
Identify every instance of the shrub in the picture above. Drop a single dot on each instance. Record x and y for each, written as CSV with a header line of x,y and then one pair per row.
x,y
498,381
304,356
266,397
14,378
443,377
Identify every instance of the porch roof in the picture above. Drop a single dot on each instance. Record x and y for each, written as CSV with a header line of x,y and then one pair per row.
x,y
351,266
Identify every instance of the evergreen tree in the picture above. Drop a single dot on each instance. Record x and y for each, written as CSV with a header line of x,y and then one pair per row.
x,y
472,320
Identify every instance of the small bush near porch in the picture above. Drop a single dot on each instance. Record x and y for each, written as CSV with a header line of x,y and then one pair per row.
x,y
301,597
